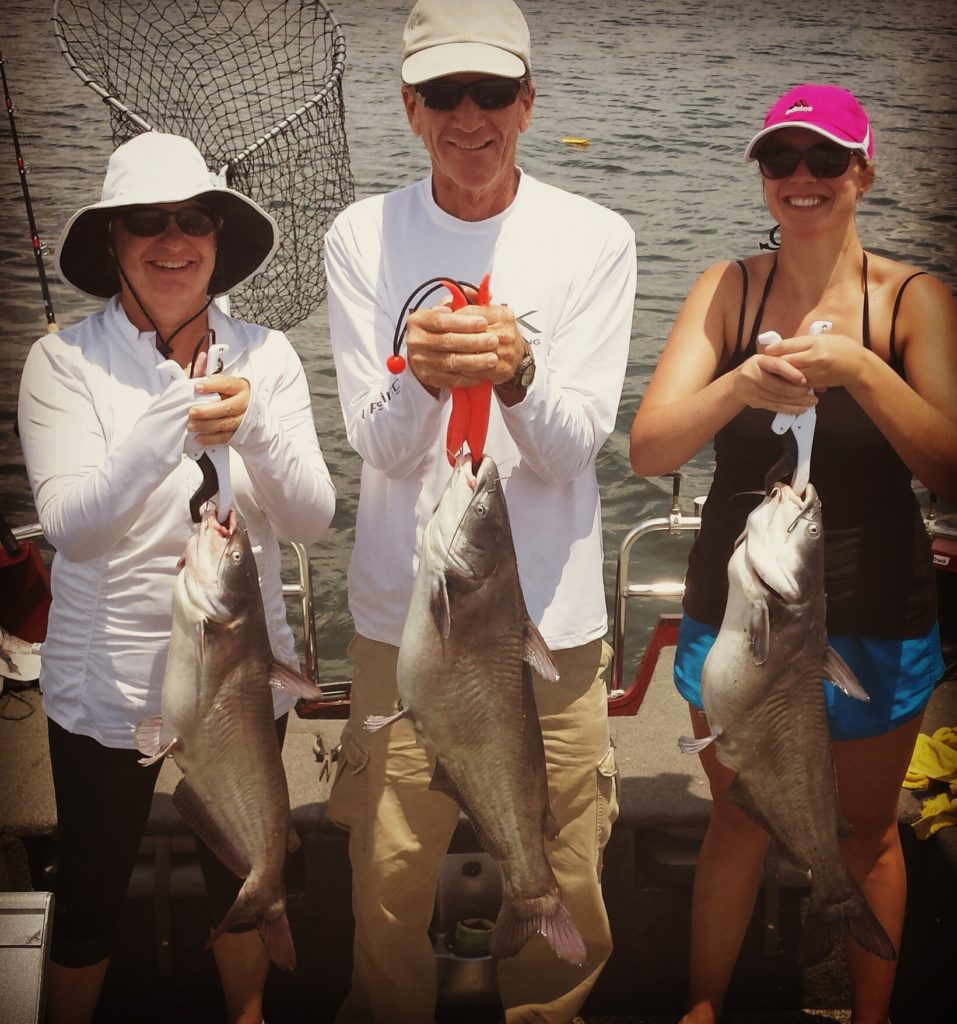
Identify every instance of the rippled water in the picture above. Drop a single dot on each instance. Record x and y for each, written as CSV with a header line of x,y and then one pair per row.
x,y
668,93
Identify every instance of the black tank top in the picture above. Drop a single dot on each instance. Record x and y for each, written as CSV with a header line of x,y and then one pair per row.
x,y
879,575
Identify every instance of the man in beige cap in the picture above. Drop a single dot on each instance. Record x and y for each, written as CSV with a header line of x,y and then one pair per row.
x,y
553,342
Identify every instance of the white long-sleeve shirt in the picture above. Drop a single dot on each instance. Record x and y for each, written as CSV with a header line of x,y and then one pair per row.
x,y
566,267
103,425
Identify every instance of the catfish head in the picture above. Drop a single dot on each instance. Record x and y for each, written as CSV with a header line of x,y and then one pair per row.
x,y
469,534
784,541
219,579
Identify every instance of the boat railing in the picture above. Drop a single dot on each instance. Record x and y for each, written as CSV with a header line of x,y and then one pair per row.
x,y
334,702
31,531
622,700
302,591
625,700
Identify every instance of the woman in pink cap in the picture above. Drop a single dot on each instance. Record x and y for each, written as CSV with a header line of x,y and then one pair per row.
x,y
880,379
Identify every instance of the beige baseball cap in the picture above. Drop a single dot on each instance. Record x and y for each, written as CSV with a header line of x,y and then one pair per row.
x,y
448,37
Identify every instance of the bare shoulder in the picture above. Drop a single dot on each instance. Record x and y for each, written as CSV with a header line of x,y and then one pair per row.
x,y
891,275
726,278
913,305
923,318
733,278
759,265
716,288
723,291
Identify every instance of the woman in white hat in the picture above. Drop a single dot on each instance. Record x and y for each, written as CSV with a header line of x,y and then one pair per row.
x,y
880,381
108,415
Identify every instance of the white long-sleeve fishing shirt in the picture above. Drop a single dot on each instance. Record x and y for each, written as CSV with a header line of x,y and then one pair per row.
x,y
103,424
566,267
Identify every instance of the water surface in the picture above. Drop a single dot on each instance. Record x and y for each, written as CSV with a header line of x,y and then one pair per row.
x,y
668,94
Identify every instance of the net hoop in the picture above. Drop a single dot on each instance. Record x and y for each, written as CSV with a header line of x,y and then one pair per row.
x,y
257,86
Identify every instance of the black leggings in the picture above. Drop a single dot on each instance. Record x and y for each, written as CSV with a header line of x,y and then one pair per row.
x,y
103,797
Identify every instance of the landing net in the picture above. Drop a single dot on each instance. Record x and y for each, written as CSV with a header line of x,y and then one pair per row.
x,y
257,86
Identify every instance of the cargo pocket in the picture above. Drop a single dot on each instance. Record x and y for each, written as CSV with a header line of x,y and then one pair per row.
x,y
607,801
348,798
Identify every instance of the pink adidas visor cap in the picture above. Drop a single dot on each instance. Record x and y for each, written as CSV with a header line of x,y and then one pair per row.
x,y
826,109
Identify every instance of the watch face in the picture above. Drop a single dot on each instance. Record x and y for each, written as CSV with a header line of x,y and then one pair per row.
x,y
528,372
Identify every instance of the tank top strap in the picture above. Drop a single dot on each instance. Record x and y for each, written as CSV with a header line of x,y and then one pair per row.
x,y
744,302
894,359
866,315
756,326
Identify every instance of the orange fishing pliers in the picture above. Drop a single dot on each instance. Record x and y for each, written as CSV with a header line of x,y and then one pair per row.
x,y
470,406
468,421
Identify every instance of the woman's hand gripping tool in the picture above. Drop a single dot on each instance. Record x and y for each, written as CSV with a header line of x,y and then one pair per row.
x,y
801,424
213,460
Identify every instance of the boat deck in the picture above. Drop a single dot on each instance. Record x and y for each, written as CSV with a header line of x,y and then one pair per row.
x,y
161,970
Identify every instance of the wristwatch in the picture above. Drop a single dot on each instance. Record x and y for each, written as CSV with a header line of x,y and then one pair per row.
x,y
524,373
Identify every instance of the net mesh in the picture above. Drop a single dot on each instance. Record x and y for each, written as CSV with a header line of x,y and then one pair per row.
x,y
257,86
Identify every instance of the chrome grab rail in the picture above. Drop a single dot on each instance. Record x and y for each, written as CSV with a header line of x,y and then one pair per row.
x,y
625,590
29,532
303,591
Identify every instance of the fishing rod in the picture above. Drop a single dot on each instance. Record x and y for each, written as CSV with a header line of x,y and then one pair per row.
x,y
37,246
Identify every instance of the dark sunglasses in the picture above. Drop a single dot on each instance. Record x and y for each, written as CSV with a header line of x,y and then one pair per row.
x,y
148,221
823,160
487,94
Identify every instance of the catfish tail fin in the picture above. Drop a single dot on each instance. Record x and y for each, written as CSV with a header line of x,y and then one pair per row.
x,y
520,919
828,923
277,938
273,926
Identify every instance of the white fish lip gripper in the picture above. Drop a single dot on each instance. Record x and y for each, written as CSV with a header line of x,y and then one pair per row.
x,y
218,455
800,424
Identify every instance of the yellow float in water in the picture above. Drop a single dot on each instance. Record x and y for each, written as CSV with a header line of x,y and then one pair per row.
x,y
575,140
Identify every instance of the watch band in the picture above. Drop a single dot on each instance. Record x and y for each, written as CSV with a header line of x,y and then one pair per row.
x,y
524,373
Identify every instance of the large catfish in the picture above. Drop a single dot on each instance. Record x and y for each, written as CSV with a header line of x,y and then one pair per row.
x,y
762,692
218,724
464,680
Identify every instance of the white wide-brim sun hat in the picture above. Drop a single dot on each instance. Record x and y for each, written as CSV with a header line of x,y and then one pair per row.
x,y
151,169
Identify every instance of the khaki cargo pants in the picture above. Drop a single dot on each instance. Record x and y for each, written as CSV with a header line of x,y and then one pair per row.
x,y
400,831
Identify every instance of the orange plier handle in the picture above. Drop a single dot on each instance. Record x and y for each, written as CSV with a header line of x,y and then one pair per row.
x,y
468,422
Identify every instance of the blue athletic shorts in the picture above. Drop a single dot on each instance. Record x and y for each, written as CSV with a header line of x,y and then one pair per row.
x,y
898,675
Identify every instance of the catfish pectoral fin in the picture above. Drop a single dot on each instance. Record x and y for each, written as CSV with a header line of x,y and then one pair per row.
x,y
759,632
196,815
840,674
537,654
284,677
695,744
439,604
148,735
376,722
